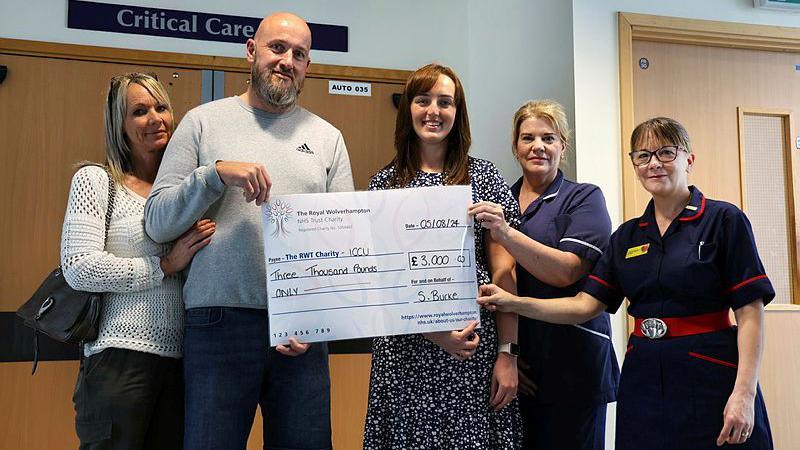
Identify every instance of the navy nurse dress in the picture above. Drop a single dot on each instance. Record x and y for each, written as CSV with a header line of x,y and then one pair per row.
x,y
673,391
574,366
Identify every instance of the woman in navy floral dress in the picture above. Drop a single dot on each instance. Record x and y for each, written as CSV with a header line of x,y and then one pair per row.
x,y
447,390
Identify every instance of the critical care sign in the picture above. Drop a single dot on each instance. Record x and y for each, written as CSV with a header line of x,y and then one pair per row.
x,y
162,21
152,21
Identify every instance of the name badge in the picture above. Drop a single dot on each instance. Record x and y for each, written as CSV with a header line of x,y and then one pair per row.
x,y
640,250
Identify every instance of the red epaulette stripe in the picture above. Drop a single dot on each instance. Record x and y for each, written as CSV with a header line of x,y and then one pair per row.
x,y
744,283
603,282
698,213
644,224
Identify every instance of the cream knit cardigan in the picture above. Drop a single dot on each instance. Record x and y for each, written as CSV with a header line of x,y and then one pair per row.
x,y
142,310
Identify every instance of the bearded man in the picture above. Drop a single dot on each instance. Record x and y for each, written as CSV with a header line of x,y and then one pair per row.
x,y
224,160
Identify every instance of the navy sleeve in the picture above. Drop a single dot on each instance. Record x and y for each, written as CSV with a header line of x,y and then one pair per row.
x,y
589,226
743,276
602,283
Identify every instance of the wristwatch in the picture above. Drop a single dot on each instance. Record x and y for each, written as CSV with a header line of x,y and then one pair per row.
x,y
509,347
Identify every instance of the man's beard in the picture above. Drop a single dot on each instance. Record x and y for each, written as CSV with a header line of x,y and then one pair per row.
x,y
272,91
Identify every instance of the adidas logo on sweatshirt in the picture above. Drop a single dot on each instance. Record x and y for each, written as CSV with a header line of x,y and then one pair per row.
x,y
304,148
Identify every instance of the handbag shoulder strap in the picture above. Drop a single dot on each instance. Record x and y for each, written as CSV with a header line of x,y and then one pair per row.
x,y
110,204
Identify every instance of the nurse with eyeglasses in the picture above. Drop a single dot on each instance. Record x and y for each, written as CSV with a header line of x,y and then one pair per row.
x,y
690,378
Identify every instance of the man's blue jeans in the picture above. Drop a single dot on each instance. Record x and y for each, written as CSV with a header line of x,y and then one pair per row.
x,y
229,368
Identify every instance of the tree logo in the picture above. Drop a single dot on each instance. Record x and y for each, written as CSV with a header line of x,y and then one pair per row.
x,y
279,213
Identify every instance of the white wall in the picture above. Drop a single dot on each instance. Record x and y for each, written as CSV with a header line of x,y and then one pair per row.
x,y
519,52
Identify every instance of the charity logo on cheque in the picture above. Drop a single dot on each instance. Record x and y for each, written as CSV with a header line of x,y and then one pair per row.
x,y
279,213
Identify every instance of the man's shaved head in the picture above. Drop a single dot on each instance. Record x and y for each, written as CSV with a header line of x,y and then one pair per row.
x,y
282,20
279,58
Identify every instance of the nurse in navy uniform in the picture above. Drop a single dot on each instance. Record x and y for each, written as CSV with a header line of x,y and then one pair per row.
x,y
690,378
568,373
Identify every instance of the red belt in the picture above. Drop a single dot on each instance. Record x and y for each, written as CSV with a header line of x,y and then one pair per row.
x,y
657,328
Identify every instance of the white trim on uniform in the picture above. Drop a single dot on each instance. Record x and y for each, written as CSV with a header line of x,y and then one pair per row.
x,y
551,195
593,332
578,241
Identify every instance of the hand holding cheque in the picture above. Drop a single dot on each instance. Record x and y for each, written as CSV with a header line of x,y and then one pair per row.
x,y
362,264
251,177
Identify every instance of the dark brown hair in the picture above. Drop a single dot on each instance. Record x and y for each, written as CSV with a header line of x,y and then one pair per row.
x,y
406,142
662,129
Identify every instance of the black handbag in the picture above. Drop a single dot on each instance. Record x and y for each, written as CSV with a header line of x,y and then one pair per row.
x,y
61,312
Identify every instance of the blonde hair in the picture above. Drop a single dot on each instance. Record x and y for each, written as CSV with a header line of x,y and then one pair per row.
x,y
548,110
118,151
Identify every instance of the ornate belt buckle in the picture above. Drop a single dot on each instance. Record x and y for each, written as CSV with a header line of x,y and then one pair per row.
x,y
653,328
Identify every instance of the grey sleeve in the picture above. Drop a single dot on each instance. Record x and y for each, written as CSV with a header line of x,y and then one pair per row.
x,y
340,176
183,189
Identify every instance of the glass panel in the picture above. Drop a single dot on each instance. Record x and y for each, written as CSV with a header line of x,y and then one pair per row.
x,y
765,193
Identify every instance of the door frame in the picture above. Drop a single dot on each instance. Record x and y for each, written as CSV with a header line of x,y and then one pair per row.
x,y
186,61
677,30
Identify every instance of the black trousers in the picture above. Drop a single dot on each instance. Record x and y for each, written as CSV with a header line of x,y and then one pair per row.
x,y
568,426
127,400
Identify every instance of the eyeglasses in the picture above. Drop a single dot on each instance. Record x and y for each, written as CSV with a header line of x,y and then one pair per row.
x,y
664,154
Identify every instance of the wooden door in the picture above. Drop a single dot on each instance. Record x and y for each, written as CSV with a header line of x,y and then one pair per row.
x,y
780,368
702,87
705,88
51,117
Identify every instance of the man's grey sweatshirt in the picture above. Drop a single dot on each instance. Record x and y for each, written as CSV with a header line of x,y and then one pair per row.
x,y
302,154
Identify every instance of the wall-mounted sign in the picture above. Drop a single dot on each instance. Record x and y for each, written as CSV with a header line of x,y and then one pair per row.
x,y
349,88
186,24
